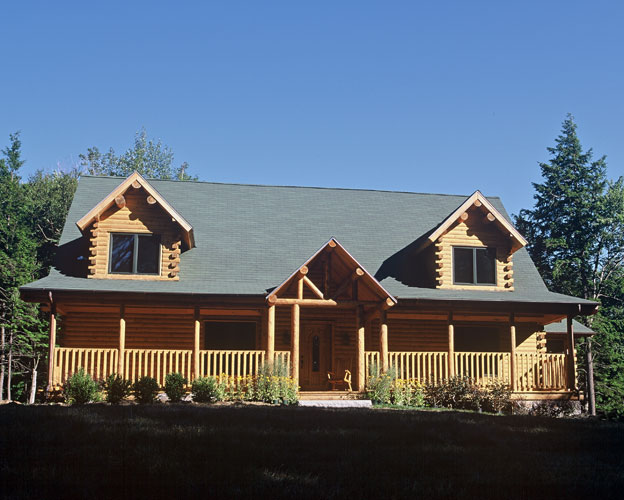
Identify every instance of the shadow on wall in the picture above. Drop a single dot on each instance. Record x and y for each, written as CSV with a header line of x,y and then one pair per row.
x,y
72,258
412,266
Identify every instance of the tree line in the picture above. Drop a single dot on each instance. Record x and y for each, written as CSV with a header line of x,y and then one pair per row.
x,y
575,231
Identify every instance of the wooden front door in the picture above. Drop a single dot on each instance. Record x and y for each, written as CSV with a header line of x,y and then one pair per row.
x,y
315,356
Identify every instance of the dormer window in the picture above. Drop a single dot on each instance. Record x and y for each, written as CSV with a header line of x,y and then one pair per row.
x,y
474,266
134,253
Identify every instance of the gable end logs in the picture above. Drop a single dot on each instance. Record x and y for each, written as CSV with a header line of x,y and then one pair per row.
x,y
135,214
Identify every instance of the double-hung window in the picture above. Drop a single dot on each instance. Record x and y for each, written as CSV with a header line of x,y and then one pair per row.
x,y
134,253
474,266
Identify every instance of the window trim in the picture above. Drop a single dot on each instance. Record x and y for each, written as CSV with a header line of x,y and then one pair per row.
x,y
135,254
474,266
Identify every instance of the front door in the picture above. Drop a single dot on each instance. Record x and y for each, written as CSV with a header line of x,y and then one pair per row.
x,y
315,356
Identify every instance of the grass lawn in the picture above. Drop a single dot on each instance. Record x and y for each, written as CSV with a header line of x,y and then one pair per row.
x,y
189,451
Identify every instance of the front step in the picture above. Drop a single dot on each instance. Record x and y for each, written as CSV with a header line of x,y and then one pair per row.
x,y
337,403
328,395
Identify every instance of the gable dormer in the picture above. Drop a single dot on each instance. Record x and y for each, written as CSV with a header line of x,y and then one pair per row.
x,y
134,233
474,248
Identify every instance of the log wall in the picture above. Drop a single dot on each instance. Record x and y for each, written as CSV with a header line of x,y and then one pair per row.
x,y
137,216
475,231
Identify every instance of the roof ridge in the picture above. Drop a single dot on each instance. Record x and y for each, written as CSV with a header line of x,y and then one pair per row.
x,y
291,186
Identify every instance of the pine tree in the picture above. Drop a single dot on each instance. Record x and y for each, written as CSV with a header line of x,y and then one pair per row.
x,y
576,239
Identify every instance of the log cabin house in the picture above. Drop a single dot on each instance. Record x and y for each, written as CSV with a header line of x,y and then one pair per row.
x,y
155,276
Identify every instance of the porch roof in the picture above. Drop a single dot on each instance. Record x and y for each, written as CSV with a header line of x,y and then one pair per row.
x,y
249,238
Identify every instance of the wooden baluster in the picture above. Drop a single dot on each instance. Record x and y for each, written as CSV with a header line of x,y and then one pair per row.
x,y
512,340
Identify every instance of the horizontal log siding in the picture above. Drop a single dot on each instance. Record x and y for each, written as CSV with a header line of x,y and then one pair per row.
x,y
136,217
474,232
170,331
89,330
417,335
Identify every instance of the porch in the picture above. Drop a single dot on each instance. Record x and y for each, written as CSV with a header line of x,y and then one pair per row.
x,y
532,372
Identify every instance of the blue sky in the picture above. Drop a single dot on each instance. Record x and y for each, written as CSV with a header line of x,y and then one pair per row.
x,y
416,96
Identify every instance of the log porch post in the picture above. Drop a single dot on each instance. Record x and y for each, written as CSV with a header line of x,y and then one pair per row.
x,y
51,350
383,340
451,346
196,345
270,352
570,359
360,348
294,339
512,359
591,394
122,340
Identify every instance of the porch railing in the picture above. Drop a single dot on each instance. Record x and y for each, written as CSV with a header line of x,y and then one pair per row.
x,y
427,367
158,363
540,371
99,363
484,368
533,371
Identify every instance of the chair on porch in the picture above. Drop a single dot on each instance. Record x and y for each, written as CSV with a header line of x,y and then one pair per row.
x,y
341,376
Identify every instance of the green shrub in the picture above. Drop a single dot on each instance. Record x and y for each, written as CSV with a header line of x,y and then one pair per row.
x,y
407,393
242,388
497,398
288,391
145,390
461,393
379,387
80,388
174,386
273,385
117,389
457,392
208,390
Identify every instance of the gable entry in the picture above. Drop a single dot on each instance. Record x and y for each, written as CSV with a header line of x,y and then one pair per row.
x,y
330,278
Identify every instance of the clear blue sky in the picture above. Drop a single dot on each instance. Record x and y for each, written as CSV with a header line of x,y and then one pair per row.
x,y
416,96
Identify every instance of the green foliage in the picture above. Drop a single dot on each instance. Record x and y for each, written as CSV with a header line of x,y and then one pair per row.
x,y
379,387
208,390
497,398
269,386
385,388
407,393
576,238
272,385
148,157
175,386
27,241
80,388
145,390
459,393
117,389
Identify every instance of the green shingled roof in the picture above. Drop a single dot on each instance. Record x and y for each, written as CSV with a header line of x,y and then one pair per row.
x,y
250,238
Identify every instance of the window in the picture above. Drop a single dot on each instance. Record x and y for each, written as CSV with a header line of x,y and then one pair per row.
x,y
230,335
474,266
134,254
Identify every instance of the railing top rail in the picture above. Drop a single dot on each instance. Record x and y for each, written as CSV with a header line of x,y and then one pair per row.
x,y
241,351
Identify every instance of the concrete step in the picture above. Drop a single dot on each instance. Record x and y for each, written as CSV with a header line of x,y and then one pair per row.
x,y
337,403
